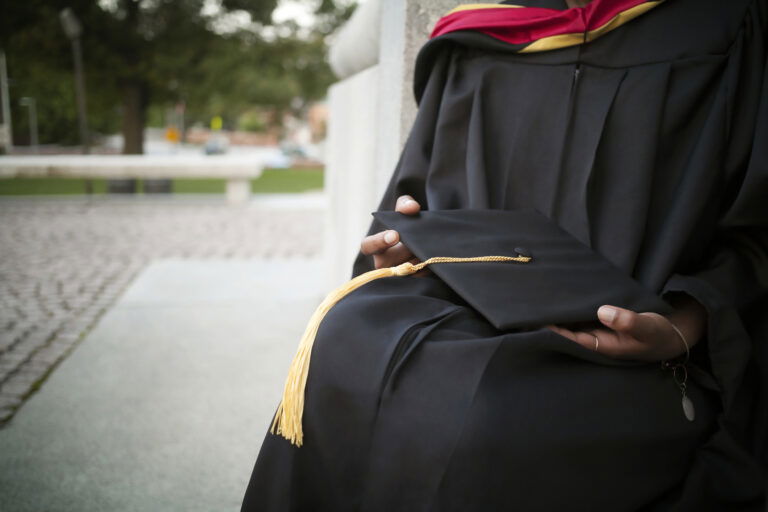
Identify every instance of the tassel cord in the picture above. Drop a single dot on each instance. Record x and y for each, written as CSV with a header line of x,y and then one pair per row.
x,y
288,418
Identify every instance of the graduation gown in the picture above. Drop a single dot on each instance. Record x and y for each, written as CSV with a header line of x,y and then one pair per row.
x,y
646,145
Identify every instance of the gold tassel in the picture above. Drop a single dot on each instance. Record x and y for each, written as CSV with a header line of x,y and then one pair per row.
x,y
289,414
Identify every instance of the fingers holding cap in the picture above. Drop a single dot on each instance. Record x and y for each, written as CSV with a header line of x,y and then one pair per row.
x,y
407,205
643,327
379,242
393,256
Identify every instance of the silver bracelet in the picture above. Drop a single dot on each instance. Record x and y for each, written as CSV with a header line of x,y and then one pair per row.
x,y
685,342
680,375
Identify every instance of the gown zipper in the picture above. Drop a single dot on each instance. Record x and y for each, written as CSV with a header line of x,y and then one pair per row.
x,y
577,69
554,210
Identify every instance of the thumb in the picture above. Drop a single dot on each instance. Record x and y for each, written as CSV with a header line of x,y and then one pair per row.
x,y
640,326
407,205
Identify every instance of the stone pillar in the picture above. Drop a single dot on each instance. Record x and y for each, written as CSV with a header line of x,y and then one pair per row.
x,y
371,112
350,169
405,27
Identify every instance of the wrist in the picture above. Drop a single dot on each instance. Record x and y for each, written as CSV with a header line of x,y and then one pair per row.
x,y
689,316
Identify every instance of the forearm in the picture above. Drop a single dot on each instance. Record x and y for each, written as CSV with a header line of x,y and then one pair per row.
x,y
689,316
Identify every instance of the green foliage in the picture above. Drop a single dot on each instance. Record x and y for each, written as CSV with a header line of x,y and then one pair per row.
x,y
252,121
288,180
198,186
40,64
166,51
244,70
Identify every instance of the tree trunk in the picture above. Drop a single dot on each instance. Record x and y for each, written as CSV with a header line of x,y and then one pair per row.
x,y
134,116
134,109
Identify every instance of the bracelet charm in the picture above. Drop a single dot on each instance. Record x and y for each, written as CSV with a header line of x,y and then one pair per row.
x,y
680,374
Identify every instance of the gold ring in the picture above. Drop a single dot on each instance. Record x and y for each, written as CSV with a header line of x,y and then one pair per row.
x,y
597,342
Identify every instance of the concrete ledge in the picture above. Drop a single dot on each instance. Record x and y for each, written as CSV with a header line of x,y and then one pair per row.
x,y
237,170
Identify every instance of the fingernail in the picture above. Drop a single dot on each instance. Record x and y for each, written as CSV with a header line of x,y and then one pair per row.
x,y
409,202
607,314
390,237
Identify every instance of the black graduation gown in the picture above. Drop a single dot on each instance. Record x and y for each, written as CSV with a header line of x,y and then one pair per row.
x,y
647,145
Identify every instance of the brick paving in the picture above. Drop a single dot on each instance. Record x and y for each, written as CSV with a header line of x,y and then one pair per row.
x,y
64,261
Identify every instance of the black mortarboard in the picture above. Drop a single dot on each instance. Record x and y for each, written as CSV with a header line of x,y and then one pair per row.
x,y
565,281
516,268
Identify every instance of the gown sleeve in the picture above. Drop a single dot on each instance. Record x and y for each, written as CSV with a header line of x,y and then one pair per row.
x,y
732,280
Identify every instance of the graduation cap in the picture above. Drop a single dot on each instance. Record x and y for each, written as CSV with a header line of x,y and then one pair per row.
x,y
565,281
517,268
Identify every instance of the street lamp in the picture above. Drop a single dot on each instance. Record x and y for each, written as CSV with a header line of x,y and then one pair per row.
x,y
31,104
73,29
6,131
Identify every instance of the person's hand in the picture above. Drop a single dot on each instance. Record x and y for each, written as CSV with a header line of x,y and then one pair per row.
x,y
643,336
385,246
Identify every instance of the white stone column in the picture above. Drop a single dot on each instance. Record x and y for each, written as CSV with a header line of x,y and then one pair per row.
x,y
371,113
350,165
405,27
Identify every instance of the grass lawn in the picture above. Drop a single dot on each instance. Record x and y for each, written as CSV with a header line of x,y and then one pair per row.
x,y
271,181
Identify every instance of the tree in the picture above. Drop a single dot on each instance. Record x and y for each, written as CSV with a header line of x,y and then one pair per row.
x,y
133,48
278,68
139,53
156,45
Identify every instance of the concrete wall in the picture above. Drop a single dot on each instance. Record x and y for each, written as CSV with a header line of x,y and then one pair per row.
x,y
371,113
350,164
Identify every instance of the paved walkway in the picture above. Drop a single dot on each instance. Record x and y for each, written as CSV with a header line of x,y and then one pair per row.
x,y
164,404
64,261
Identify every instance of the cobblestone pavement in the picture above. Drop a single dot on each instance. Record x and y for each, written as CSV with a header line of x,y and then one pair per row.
x,y
64,261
